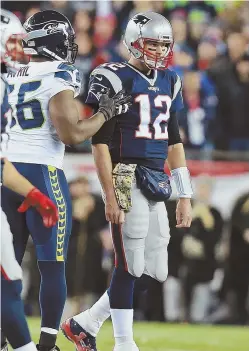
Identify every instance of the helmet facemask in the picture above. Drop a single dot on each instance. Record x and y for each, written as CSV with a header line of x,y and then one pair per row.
x,y
151,59
72,49
14,54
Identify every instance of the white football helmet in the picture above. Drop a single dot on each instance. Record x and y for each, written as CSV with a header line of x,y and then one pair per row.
x,y
149,26
11,34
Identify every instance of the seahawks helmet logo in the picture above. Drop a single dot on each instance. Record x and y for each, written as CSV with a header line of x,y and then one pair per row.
x,y
141,20
53,27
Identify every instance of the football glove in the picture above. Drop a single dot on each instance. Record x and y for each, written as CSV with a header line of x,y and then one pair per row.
x,y
123,176
110,107
43,205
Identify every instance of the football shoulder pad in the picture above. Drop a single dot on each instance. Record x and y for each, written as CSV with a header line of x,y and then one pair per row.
x,y
70,75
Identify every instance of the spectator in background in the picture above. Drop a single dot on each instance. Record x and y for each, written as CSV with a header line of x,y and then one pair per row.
x,y
232,110
236,280
32,11
245,31
198,23
239,127
63,6
237,46
210,8
86,5
179,26
86,276
141,6
83,22
121,10
215,34
206,53
198,248
103,31
108,32
200,106
84,60
183,59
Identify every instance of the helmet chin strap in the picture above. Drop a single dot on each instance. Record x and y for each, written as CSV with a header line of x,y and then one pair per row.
x,y
156,63
151,63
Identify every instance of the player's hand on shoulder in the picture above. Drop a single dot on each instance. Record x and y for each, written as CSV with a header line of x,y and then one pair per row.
x,y
112,211
183,213
112,106
43,205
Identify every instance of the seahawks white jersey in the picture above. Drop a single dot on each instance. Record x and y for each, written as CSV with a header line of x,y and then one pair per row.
x,y
32,137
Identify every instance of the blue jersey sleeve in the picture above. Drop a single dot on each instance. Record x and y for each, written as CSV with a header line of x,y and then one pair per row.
x,y
177,99
101,81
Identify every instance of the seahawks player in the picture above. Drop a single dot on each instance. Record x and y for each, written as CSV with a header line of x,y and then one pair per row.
x,y
14,324
45,119
132,150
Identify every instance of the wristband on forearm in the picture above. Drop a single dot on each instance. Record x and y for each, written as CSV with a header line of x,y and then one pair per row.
x,y
105,112
182,181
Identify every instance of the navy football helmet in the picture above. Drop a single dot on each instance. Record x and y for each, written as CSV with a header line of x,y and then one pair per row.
x,y
50,34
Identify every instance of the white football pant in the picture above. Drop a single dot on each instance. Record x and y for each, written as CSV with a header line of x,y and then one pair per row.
x,y
141,242
10,268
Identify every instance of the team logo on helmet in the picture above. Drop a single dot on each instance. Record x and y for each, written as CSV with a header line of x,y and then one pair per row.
x,y
53,27
5,19
141,20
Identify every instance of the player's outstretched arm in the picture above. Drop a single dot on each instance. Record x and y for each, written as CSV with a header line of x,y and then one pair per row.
x,y
103,163
177,165
65,116
13,180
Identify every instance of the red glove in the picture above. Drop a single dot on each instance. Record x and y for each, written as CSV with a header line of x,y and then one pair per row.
x,y
44,206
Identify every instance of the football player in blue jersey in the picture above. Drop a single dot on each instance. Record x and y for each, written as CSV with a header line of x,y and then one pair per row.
x,y
45,119
130,154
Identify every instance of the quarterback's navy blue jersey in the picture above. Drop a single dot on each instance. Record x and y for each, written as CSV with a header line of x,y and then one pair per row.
x,y
5,107
143,133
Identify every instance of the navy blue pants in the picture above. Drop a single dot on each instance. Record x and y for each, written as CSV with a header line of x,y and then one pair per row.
x,y
51,243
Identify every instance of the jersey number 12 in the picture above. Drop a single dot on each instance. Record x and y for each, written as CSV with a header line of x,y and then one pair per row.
x,y
159,124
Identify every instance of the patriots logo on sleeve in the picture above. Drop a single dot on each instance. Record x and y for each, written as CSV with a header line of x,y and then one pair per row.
x,y
141,20
97,90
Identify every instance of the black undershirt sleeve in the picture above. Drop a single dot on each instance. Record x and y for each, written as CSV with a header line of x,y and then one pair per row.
x,y
173,129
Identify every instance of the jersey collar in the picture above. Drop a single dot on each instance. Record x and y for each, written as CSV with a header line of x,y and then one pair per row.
x,y
150,80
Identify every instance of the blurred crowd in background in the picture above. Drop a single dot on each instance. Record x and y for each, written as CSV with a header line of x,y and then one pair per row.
x,y
208,263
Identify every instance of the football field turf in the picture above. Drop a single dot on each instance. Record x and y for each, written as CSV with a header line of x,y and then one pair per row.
x,y
168,337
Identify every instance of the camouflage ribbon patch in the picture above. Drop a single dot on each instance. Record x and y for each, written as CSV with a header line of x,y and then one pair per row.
x,y
123,176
